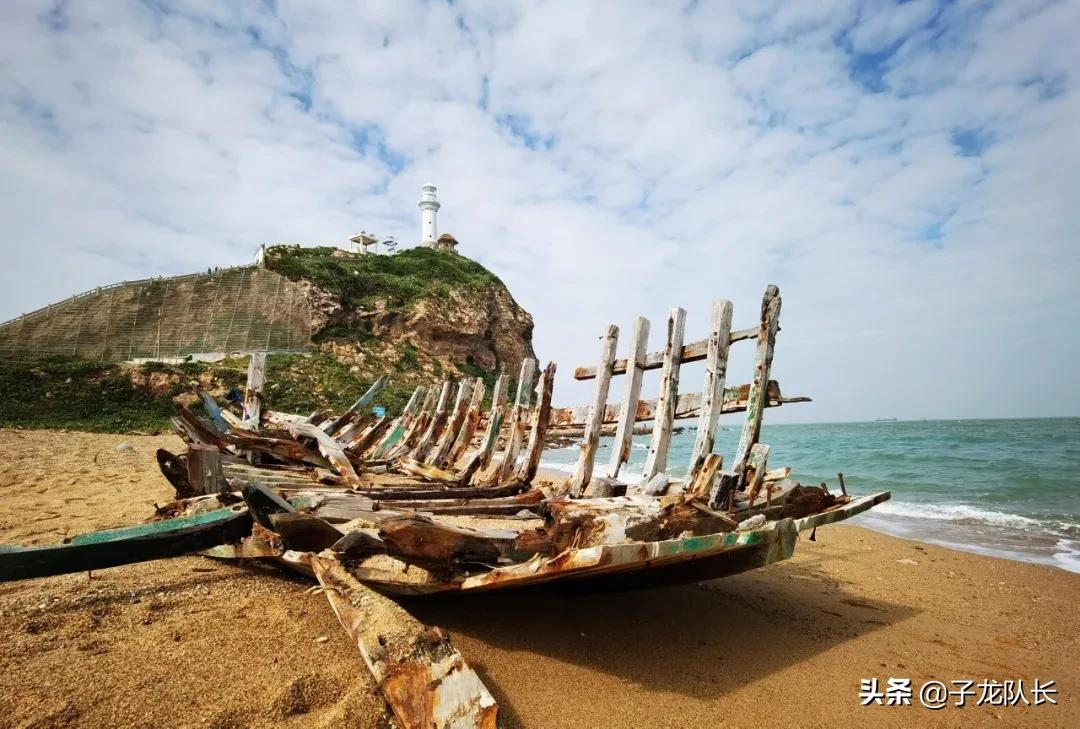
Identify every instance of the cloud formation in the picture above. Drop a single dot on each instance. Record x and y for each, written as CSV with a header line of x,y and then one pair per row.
x,y
907,173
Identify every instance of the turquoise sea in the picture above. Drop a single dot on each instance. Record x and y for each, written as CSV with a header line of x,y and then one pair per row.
x,y
1009,488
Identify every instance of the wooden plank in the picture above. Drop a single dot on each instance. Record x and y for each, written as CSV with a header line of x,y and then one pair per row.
x,y
656,460
687,406
482,457
722,490
527,470
417,427
330,448
368,436
400,424
456,420
587,455
624,431
755,409
114,547
713,391
692,352
438,420
213,410
360,406
702,479
514,436
756,465
204,470
253,391
468,427
425,680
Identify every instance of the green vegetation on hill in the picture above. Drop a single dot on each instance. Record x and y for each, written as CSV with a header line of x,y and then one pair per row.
x,y
401,279
77,394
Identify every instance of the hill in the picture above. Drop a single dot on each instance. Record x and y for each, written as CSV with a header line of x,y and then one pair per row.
x,y
419,315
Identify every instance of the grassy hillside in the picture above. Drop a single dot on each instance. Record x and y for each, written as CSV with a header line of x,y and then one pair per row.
x,y
75,394
80,394
401,279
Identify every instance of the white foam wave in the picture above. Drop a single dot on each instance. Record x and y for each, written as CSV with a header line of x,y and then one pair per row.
x,y
958,513
1069,556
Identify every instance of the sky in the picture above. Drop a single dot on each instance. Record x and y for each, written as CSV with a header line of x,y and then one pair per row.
x,y
906,173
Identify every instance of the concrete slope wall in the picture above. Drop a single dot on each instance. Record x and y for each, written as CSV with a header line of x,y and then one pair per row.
x,y
231,310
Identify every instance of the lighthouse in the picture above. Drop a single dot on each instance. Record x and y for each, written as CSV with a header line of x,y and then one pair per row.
x,y
429,206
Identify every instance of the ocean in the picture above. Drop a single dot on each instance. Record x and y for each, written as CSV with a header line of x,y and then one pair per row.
x,y
1006,488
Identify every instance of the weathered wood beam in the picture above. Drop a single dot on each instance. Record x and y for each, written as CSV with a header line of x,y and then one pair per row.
x,y
469,426
367,437
702,478
360,406
456,420
204,470
692,352
400,424
425,680
114,547
213,410
656,460
527,469
253,391
755,409
330,449
417,427
505,467
688,406
756,465
624,431
434,429
713,391
482,457
587,455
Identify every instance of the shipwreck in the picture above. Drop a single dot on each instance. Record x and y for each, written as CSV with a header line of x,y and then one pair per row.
x,y
448,498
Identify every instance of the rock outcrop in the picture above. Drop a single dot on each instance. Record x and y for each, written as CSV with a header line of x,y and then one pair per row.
x,y
422,312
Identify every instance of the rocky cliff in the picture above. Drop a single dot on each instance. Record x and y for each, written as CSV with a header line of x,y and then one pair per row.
x,y
420,314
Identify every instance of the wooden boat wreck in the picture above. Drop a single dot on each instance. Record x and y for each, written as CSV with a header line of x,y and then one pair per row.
x,y
448,498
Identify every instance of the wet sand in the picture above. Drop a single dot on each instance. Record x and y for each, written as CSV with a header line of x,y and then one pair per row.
x,y
193,642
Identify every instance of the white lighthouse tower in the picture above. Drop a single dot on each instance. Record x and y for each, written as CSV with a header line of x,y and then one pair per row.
x,y
429,205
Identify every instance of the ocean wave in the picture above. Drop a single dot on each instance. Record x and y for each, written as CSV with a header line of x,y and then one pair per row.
x,y
1069,556
960,513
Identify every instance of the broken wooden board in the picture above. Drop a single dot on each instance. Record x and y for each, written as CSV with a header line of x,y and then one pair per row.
x,y
425,680
687,406
692,352
114,547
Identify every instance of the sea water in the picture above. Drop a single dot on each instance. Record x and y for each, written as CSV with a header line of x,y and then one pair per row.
x,y
1008,488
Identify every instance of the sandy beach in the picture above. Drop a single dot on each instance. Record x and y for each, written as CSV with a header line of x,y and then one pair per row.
x,y
193,642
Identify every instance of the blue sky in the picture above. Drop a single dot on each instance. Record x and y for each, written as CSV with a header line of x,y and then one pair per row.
x,y
907,173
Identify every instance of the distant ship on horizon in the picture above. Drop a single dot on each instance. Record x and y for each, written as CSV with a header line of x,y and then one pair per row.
x,y
885,420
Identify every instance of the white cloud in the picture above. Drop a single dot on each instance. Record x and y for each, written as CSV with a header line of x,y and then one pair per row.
x,y
907,173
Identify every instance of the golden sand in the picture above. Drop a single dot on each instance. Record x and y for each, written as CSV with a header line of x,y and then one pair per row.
x,y
193,642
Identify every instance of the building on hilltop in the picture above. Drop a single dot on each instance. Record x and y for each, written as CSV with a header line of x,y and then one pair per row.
x,y
446,242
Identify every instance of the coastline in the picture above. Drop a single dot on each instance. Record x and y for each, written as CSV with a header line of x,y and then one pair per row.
x,y
194,642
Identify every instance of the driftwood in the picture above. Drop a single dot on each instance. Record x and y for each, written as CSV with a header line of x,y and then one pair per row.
x,y
628,410
713,391
424,679
656,461
692,352
587,454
